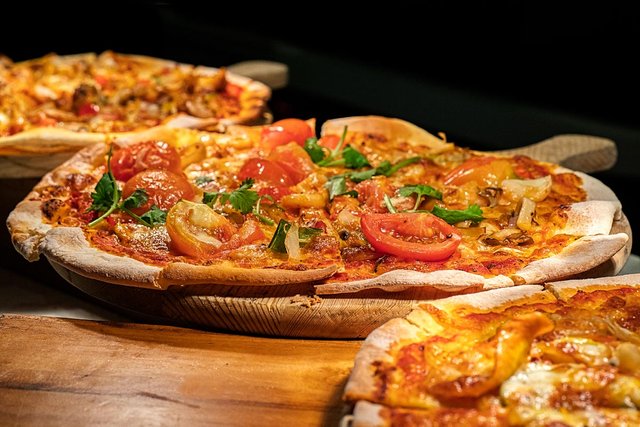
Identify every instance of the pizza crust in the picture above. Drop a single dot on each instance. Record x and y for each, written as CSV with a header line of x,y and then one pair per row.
x,y
375,348
565,289
365,414
584,254
390,128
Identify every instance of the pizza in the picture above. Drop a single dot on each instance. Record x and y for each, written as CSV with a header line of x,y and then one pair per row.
x,y
373,202
60,103
566,354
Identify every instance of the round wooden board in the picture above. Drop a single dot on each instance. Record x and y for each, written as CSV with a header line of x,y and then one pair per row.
x,y
289,311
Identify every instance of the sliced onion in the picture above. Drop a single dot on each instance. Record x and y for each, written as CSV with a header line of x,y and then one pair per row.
x,y
292,242
534,189
621,332
527,210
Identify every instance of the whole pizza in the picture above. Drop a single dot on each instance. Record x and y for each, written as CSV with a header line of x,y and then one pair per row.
x,y
371,202
566,354
59,103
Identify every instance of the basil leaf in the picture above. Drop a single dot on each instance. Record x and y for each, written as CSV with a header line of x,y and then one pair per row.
x,y
277,241
472,213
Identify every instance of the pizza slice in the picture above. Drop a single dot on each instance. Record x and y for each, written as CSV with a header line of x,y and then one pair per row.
x,y
384,204
58,104
563,355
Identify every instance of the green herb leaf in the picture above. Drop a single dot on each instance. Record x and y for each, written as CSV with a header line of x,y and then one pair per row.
x,y
154,216
390,207
106,195
315,151
395,168
420,191
277,241
136,199
353,159
472,213
360,176
337,186
243,199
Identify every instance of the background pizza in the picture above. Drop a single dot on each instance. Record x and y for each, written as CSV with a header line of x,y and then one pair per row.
x,y
62,103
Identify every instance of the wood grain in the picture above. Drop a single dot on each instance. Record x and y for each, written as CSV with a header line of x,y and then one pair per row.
x,y
79,373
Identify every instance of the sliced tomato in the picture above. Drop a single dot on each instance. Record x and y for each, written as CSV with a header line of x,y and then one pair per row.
x,y
128,161
329,141
197,230
285,131
294,160
265,170
419,236
486,171
163,187
276,192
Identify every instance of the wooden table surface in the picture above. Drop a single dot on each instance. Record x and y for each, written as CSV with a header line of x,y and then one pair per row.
x,y
73,372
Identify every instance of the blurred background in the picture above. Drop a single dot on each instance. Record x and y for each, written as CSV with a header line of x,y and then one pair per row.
x,y
490,76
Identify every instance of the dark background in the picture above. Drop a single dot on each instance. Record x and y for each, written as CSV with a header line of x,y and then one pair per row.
x,y
489,76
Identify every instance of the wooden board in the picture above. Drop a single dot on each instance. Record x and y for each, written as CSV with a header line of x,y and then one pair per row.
x,y
292,311
61,372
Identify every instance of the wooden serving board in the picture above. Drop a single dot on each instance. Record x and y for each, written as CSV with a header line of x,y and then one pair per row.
x,y
96,373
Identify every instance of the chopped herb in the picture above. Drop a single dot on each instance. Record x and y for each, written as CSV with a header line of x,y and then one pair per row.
x,y
395,168
353,159
315,151
243,199
106,195
337,186
420,190
472,213
136,199
362,175
258,213
154,216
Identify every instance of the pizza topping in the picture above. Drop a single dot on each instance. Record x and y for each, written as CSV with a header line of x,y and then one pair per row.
x,y
533,189
420,191
242,199
512,343
162,187
285,131
486,171
126,162
289,238
452,216
419,236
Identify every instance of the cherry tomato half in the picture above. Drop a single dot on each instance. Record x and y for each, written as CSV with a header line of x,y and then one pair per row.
x,y
329,141
285,131
486,171
294,160
419,236
164,189
265,170
128,161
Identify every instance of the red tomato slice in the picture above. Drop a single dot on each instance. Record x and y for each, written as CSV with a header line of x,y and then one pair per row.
x,y
419,236
265,170
294,160
128,161
329,141
285,131
487,171
164,189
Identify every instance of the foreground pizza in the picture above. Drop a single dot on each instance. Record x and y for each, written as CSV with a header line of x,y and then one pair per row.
x,y
373,203
564,355
46,102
